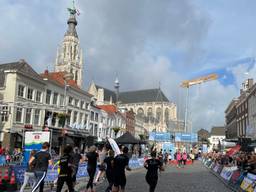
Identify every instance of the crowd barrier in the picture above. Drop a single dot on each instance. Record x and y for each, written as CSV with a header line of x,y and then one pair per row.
x,y
52,173
238,180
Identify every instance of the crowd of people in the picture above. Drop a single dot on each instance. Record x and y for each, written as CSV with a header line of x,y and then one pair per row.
x,y
7,156
245,161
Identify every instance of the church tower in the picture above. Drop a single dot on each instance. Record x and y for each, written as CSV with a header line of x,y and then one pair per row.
x,y
69,54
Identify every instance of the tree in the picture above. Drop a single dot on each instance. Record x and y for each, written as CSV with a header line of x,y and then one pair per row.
x,y
142,136
62,118
116,130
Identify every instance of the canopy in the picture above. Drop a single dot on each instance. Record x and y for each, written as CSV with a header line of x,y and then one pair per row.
x,y
127,138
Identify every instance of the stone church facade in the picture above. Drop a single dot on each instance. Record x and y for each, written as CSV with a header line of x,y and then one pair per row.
x,y
151,105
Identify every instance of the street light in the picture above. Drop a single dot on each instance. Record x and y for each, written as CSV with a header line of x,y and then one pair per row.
x,y
67,76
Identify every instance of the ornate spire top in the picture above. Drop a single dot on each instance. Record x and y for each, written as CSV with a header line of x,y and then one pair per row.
x,y
72,22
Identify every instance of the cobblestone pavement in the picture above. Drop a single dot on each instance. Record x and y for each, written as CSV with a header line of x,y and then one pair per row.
x,y
192,178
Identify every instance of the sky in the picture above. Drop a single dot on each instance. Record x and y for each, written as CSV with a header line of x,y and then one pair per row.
x,y
146,44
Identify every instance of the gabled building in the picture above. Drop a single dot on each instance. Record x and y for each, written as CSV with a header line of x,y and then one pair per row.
x,y
217,136
150,104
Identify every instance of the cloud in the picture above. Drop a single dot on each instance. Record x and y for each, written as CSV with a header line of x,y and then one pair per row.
x,y
144,42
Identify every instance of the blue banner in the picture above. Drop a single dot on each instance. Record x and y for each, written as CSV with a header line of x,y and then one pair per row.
x,y
159,136
52,174
186,137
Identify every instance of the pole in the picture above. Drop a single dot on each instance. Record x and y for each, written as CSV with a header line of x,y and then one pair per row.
x,y
186,110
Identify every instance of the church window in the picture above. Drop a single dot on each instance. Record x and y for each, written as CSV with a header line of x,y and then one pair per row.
x,y
71,56
75,51
64,51
158,114
150,115
166,115
140,113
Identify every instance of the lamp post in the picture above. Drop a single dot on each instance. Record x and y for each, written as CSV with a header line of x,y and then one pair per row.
x,y
67,76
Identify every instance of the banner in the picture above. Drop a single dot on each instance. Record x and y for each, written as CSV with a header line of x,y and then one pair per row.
x,y
159,136
205,148
227,172
186,137
52,173
247,184
114,146
34,141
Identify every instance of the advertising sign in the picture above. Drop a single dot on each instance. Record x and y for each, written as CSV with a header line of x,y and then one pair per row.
x,y
167,146
34,141
159,136
186,137
205,148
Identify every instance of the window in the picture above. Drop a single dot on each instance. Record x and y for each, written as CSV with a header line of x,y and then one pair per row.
x,y
92,115
30,94
81,104
19,114
70,100
75,117
48,96
55,98
38,96
96,116
21,91
5,114
76,102
28,116
37,116
62,100
87,105
68,117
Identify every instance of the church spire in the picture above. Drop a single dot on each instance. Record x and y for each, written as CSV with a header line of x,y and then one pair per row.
x,y
72,23
69,55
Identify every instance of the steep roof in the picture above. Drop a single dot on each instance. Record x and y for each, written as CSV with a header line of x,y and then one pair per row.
x,y
147,95
107,93
59,78
218,131
108,108
20,67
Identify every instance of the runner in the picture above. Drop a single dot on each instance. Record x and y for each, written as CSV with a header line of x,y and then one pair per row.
x,y
192,156
77,158
121,162
109,161
29,174
102,168
91,157
66,170
184,158
152,165
166,157
178,158
42,160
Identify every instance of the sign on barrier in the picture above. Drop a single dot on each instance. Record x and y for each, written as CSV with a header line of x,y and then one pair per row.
x,y
246,185
52,174
227,172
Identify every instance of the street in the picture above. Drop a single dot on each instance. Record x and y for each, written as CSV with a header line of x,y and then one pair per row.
x,y
193,178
